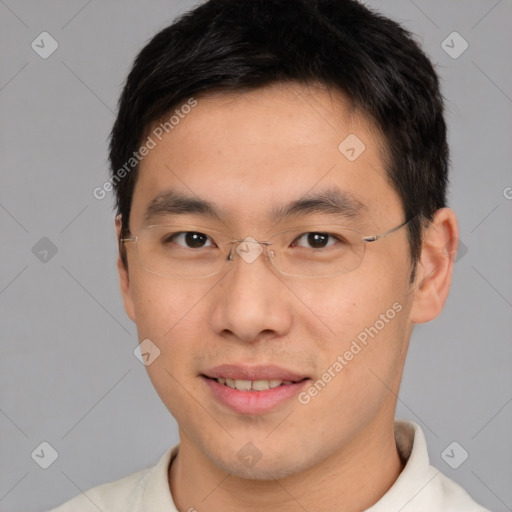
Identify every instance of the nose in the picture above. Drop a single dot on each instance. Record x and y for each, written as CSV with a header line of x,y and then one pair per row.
x,y
251,301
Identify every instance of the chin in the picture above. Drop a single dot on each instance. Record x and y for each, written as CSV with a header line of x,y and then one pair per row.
x,y
269,463
262,471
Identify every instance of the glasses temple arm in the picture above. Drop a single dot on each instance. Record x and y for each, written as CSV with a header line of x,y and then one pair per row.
x,y
373,238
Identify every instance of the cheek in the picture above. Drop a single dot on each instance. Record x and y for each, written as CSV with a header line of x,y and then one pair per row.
x,y
361,360
162,304
173,314
170,314
365,339
377,320
340,309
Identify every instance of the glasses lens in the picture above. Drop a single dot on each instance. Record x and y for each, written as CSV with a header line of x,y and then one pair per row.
x,y
190,251
179,251
317,251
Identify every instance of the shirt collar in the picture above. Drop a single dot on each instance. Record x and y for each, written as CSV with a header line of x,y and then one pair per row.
x,y
417,481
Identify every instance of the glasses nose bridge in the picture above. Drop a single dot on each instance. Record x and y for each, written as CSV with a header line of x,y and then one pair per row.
x,y
249,249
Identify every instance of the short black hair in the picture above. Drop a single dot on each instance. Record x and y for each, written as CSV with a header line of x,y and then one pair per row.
x,y
242,45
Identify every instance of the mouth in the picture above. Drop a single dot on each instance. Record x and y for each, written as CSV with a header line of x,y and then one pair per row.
x,y
254,385
253,390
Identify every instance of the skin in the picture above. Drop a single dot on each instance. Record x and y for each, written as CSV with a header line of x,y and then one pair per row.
x,y
248,152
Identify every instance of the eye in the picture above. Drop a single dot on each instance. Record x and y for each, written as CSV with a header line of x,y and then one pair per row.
x,y
317,240
190,239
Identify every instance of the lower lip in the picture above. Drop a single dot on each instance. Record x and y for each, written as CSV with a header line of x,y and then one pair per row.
x,y
254,402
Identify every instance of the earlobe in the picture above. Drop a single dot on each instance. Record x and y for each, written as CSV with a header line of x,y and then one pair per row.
x,y
435,268
124,277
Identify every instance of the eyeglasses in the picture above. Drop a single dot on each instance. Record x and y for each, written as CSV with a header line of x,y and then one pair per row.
x,y
185,251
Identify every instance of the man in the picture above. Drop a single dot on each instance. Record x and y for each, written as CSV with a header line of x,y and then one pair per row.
x,y
280,170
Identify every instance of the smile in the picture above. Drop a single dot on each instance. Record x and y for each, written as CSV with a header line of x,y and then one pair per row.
x,y
253,385
253,390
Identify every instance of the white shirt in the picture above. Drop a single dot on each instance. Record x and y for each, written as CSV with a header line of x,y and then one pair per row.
x,y
419,488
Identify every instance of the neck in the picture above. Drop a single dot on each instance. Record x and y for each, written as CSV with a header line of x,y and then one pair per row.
x,y
352,479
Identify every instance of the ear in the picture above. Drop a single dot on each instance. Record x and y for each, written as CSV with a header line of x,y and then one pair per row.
x,y
434,270
124,277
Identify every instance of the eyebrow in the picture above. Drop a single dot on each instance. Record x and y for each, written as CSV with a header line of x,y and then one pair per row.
x,y
331,201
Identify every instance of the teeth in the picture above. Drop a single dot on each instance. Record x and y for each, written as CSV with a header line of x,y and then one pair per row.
x,y
260,385
253,385
243,385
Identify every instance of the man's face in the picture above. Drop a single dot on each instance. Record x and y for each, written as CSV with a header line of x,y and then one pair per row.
x,y
247,154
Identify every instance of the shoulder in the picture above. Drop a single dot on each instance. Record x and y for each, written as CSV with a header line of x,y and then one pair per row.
x,y
420,486
454,498
108,496
125,494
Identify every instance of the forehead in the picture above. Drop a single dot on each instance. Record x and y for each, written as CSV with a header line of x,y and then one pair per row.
x,y
249,153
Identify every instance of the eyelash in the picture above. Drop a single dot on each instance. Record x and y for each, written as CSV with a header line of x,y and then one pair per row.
x,y
170,238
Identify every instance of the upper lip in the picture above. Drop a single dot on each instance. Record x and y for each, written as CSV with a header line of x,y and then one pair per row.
x,y
263,372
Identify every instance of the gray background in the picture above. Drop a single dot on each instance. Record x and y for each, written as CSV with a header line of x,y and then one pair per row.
x,y
68,375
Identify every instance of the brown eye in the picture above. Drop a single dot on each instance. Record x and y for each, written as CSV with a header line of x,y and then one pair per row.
x,y
190,239
315,240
